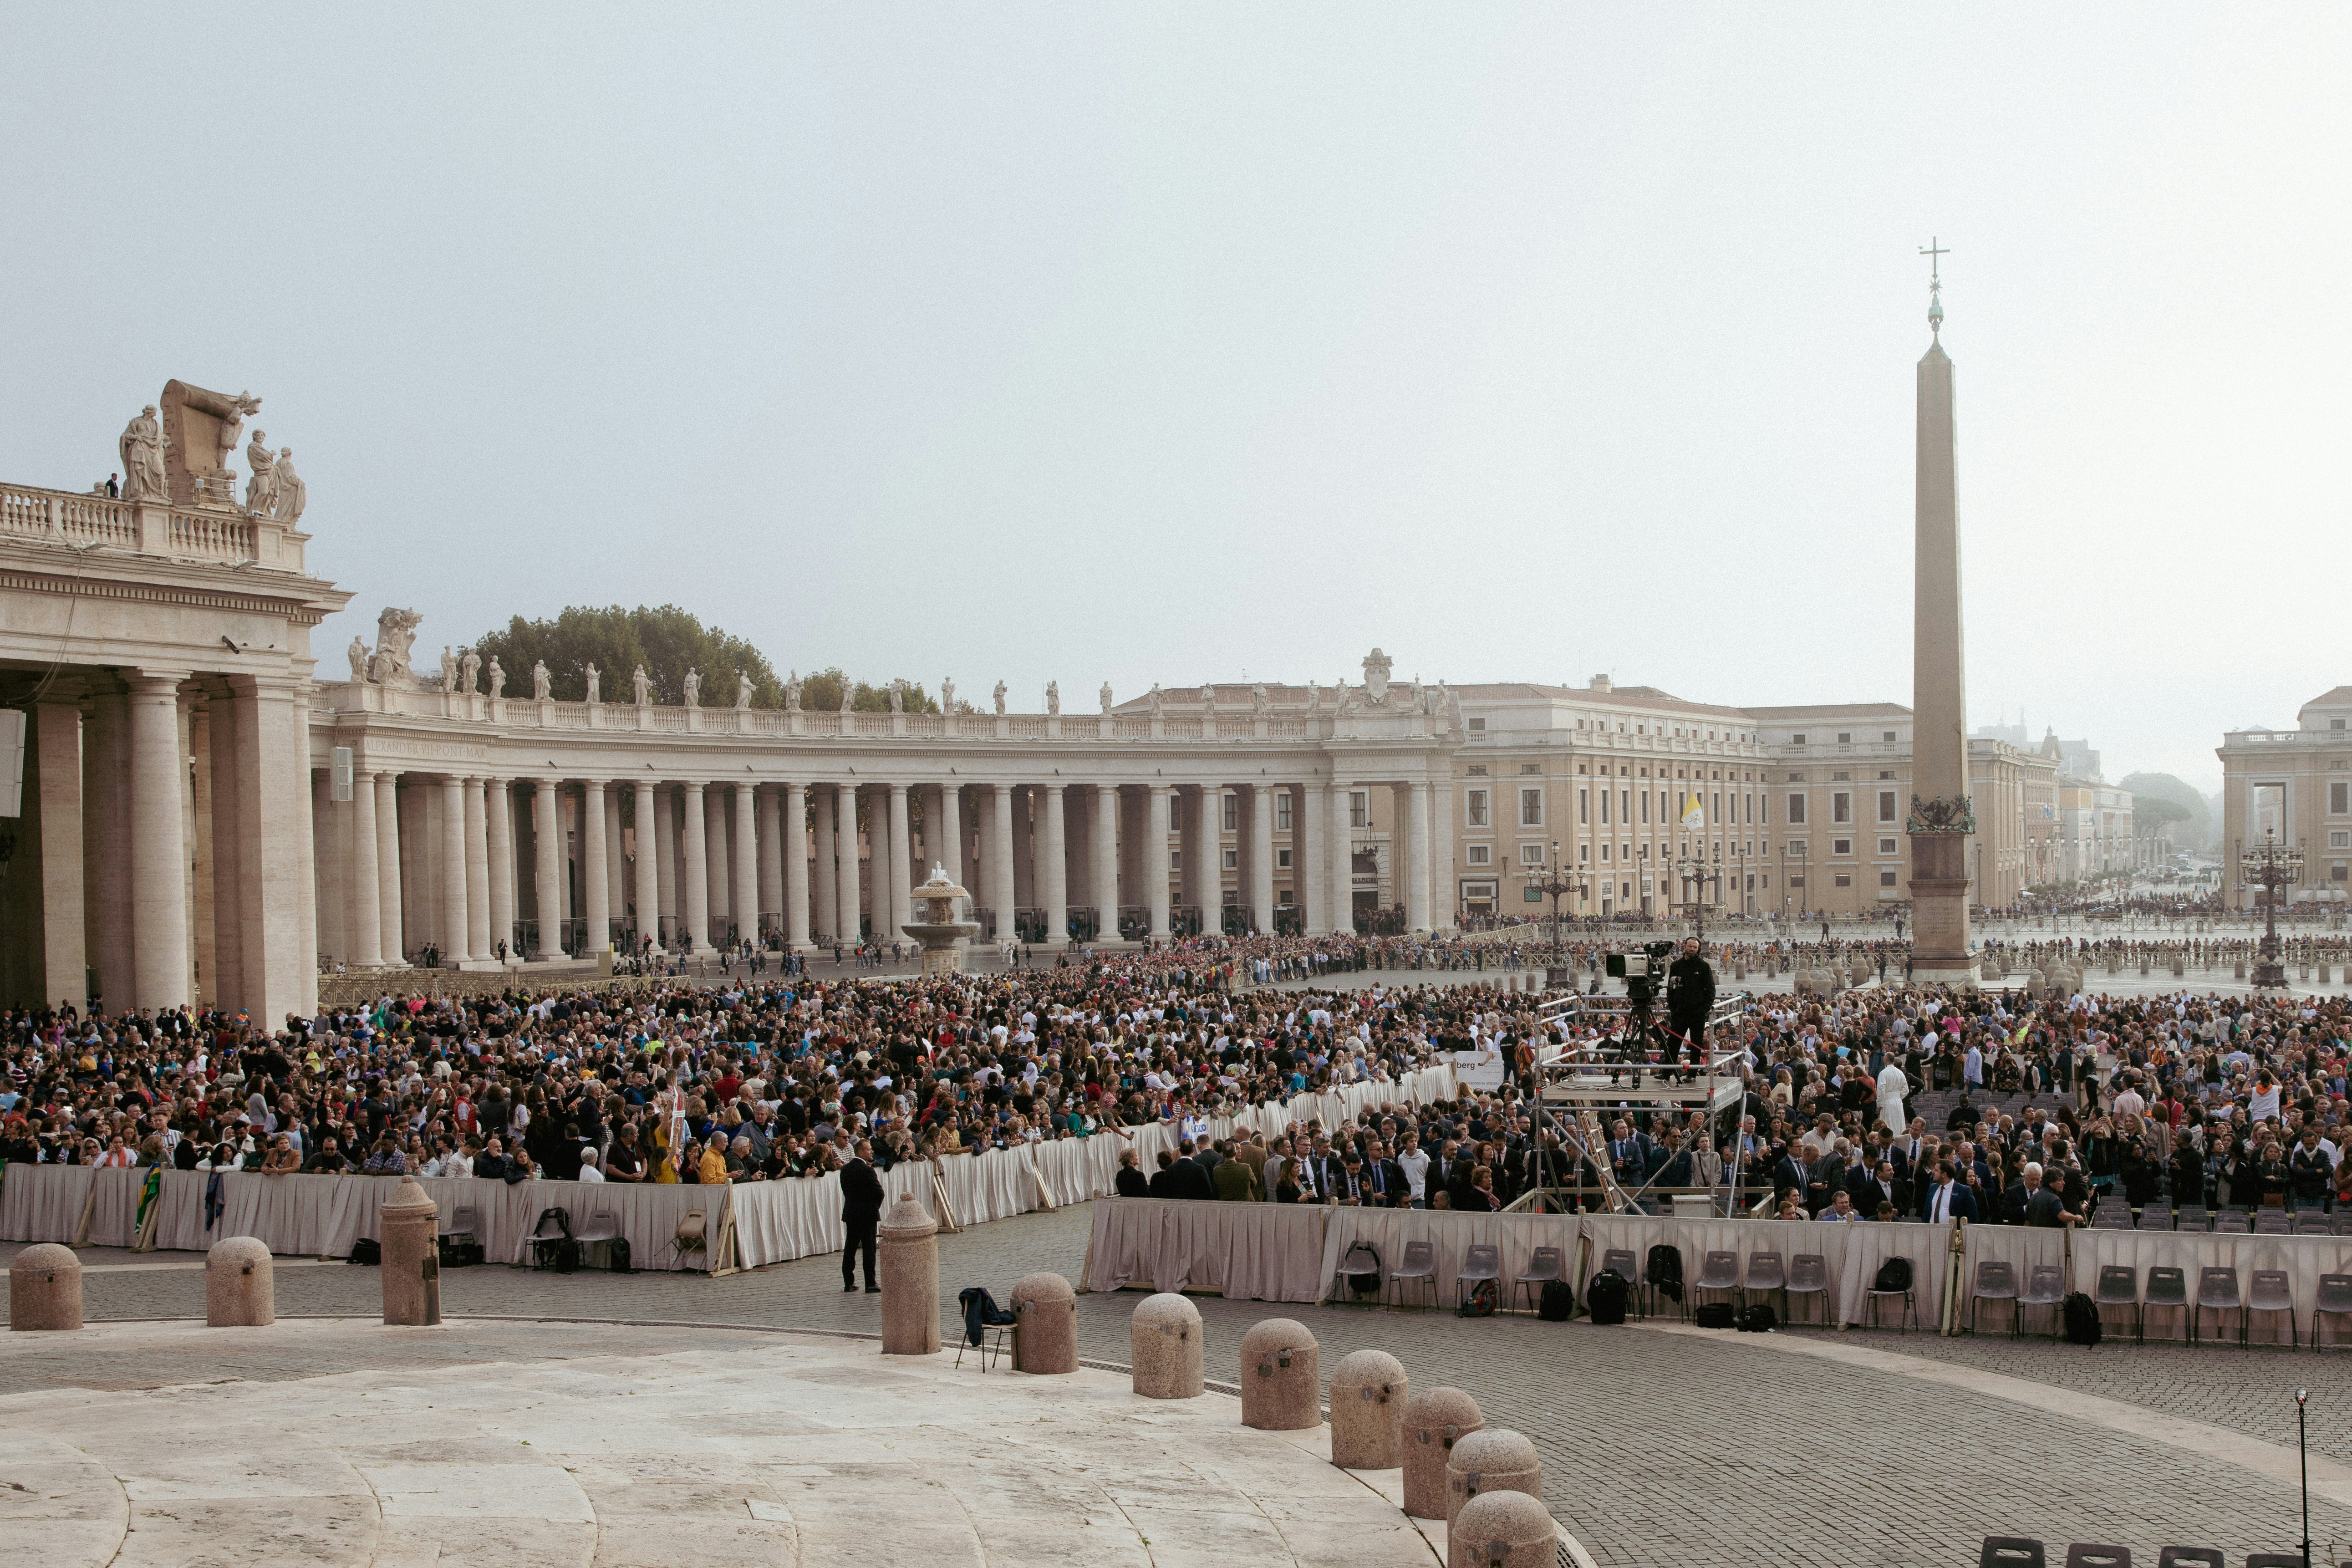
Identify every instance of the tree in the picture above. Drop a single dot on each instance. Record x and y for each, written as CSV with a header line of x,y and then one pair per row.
x,y
667,641
821,692
2197,814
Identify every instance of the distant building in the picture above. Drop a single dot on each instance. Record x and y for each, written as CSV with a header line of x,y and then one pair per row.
x,y
2295,785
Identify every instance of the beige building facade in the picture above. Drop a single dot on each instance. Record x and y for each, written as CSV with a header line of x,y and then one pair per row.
x,y
2292,787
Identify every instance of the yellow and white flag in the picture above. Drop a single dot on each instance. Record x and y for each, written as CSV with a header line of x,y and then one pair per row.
x,y
1694,816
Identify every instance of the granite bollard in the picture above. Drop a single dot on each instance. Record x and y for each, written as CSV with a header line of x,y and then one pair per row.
x,y
1281,1382
1434,1420
908,1267
239,1293
1166,1347
1496,1460
45,1287
412,1257
1046,1334
1502,1529
1367,1399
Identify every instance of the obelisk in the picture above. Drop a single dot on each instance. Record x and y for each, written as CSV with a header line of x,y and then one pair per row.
x,y
1942,819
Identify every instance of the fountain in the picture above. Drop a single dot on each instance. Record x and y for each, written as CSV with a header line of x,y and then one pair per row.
x,y
936,926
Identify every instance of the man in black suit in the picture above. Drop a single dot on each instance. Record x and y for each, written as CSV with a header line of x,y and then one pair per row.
x,y
2029,1202
1192,1179
1869,1189
1690,997
1948,1198
861,1213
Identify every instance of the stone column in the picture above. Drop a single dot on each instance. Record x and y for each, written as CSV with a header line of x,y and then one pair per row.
x,y
225,711
745,882
1417,807
56,746
771,859
1941,941
106,848
947,832
547,870
1340,861
827,891
455,929
648,877
844,849
1307,870
1261,894
387,859
1104,862
333,856
694,874
1053,870
617,863
665,830
364,907
596,871
157,846
303,974
1203,866
480,932
499,831
1155,858
793,843
901,901
996,857
720,869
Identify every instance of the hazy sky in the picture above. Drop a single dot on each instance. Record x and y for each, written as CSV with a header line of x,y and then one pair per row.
x,y
1173,343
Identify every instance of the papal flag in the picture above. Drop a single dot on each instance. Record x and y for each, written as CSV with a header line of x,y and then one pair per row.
x,y
1694,816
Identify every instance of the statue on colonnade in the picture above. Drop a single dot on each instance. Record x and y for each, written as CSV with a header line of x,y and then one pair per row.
x,y
143,459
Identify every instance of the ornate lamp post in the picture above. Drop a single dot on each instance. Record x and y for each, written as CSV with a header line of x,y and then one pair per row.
x,y
1696,879
1555,883
2270,868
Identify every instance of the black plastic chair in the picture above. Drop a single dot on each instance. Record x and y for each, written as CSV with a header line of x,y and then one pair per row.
x,y
1907,1321
1482,1263
2217,1292
2045,1286
2011,1552
2190,1557
2086,1554
2334,1301
1996,1282
1809,1275
1622,1259
1419,1263
2118,1286
551,1238
2165,1287
2274,1559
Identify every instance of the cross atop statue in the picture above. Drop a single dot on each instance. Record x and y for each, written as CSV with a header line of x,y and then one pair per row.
x,y
1935,251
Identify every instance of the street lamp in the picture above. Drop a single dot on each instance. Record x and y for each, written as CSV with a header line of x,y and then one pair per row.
x,y
1556,882
1694,878
2270,868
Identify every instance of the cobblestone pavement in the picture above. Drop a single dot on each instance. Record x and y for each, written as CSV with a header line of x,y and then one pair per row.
x,y
1658,1449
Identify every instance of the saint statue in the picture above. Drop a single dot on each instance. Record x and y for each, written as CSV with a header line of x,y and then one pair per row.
x,y
291,493
1314,697
1052,697
846,693
1106,696
694,689
498,680
359,652
641,686
1000,696
143,459
538,680
596,684
1208,697
742,692
947,694
897,697
261,489
793,692
448,669
232,426
471,668
1259,701
1153,700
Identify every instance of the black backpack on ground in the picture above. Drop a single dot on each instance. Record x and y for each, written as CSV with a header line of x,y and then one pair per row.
x,y
1716,1315
1665,1271
2083,1325
367,1250
1894,1274
616,1253
1759,1319
1362,1269
1604,1299
1558,1303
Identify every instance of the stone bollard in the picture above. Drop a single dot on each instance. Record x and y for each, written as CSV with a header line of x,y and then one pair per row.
x,y
411,1257
1434,1420
1490,1461
1166,1347
1282,1386
1045,1336
2323,974
1367,1399
909,1271
2238,970
45,1287
238,1291
1503,1529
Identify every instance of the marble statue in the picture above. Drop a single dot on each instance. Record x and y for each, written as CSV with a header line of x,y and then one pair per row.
x,y
847,691
596,684
1452,709
1259,701
1105,696
261,489
1314,697
539,680
292,494
897,697
498,679
395,634
694,689
359,653
947,694
448,669
1208,697
641,686
1154,699
742,692
793,692
1052,697
143,459
469,665
232,426
1000,696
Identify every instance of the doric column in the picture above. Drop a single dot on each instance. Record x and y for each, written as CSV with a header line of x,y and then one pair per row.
x,y
694,873
156,847
944,830
1261,804
1418,807
1104,891
667,902
902,865
57,744
225,713
1307,874
479,933
616,864
332,853
364,908
745,882
454,927
645,810
387,856
1203,867
792,844
596,871
547,870
1340,861
825,894
844,849
996,858
1053,871
772,857
498,817
1155,859
720,870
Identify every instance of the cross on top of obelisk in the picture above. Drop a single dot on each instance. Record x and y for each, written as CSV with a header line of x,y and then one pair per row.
x,y
1935,251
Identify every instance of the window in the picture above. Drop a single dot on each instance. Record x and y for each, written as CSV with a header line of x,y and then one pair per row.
x,y
1604,854
2336,723
1477,770
1531,809
1233,895
1282,859
1283,897
1796,849
1886,879
1796,778
1531,768
1584,852
1474,812
2337,871
1233,859
1646,808
1531,895
1843,880
1845,737
1482,854
1282,811
1797,740
1796,810
1604,808
1796,881
1477,725
1841,776
1531,854
1175,860
1887,736
1887,846
2339,839
1230,820
1840,846
2339,799
1841,806
1886,805
1360,808
1584,808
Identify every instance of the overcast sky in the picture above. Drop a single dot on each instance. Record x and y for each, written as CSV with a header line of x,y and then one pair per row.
x,y
1180,343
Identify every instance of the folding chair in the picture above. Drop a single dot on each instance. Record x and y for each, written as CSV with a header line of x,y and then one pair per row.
x,y
1765,1276
1481,1261
690,1236
2193,1216
1719,1272
1622,1259
2217,1292
2270,1292
2010,1551
2334,1301
1359,1259
2272,1222
2340,1221
2112,1215
550,1237
2045,1286
2311,1222
2232,1222
2165,1287
2274,1559
1996,1282
2118,1286
2085,1556
1909,1296
1544,1268
2190,1557
1809,1275
603,1226
2156,1214
1419,1263
984,1324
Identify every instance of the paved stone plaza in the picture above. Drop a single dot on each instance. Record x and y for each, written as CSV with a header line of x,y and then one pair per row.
x,y
1661,1447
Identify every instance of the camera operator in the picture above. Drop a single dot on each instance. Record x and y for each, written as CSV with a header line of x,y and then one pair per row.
x,y
1690,997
